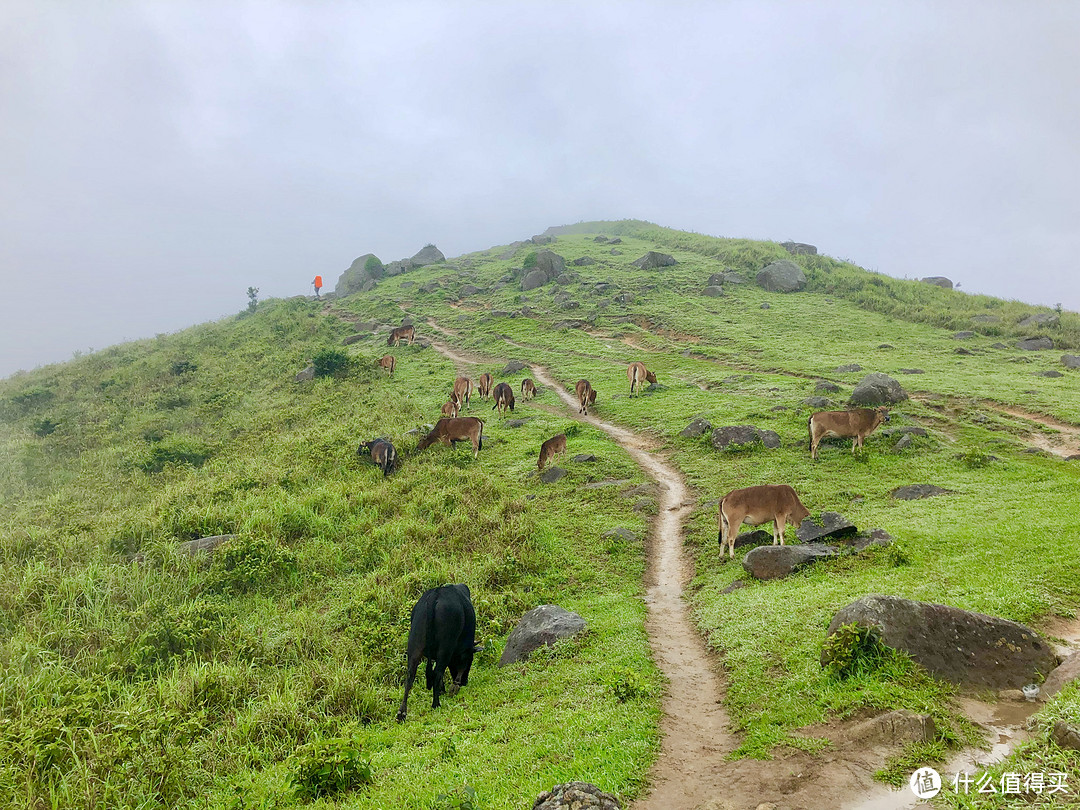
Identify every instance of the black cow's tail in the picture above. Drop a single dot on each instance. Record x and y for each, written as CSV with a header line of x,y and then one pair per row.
x,y
480,436
391,459
431,641
810,431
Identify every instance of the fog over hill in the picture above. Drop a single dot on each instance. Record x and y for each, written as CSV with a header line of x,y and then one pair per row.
x,y
158,159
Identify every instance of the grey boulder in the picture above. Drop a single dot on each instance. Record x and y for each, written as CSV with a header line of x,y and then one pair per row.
x,y
953,644
743,435
878,389
533,279
799,248
938,281
1035,344
652,260
776,562
713,292
915,492
1070,360
576,796
830,526
696,428
541,626
1065,673
204,545
428,254
552,474
782,276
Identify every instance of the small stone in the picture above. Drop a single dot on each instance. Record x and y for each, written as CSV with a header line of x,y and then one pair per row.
x,y
552,474
963,335
914,492
826,387
766,305
583,458
696,428
903,444
847,369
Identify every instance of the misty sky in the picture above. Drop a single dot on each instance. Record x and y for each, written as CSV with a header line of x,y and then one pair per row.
x,y
157,158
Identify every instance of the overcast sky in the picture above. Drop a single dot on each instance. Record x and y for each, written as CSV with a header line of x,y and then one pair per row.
x,y
157,158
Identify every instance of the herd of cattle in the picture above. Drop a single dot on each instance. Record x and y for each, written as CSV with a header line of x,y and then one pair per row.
x,y
442,627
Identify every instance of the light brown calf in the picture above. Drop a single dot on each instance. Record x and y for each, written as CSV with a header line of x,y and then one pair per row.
x,y
452,407
636,372
859,424
401,333
388,362
460,429
528,388
463,388
504,397
757,505
586,396
483,385
555,446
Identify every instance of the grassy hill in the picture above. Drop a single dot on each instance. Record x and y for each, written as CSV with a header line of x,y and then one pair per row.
x,y
134,675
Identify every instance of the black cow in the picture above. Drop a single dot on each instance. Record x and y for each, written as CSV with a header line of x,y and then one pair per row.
x,y
382,453
443,630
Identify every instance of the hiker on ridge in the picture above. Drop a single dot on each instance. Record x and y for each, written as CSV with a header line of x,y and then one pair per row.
x,y
317,284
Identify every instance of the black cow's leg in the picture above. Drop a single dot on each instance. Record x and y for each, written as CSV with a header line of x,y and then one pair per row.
x,y
410,676
437,684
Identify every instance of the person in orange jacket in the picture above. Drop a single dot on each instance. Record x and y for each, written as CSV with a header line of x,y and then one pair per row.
x,y
317,283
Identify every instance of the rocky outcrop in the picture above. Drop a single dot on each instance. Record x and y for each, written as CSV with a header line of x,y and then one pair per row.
x,y
1035,344
513,367
583,261
551,263
830,526
953,644
543,625
799,248
428,254
364,269
576,796
938,281
652,260
782,276
878,389
1040,319
743,435
915,492
776,562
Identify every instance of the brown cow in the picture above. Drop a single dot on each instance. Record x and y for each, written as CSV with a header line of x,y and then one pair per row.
x,y
452,407
859,424
757,505
463,388
483,386
382,453
636,372
400,334
459,429
555,446
504,397
528,388
388,362
586,396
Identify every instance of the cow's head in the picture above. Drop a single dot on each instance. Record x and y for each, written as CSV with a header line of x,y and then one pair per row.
x,y
592,397
650,377
882,413
365,447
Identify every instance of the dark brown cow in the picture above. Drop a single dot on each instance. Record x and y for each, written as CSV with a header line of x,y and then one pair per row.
x,y
463,388
459,429
528,388
555,446
400,334
483,385
382,453
757,505
586,396
504,397
388,362
636,372
859,424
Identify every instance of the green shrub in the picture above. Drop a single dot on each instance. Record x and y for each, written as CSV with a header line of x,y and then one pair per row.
x,y
329,766
530,261
331,363
626,684
462,798
175,450
852,649
44,427
976,458
374,267
187,629
246,564
181,367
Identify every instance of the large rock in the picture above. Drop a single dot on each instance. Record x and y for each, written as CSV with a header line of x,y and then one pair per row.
x,y
1067,672
204,545
552,474
1040,319
576,796
938,281
915,492
428,254
782,276
715,280
305,375
543,625
551,263
724,437
831,526
696,428
1065,736
776,562
467,290
583,261
652,260
1070,360
533,279
799,248
713,292
360,272
953,644
826,387
877,389
1035,344
513,367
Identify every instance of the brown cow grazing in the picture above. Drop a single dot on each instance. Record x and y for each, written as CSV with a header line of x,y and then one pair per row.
x,y
382,453
636,372
463,388
452,407
586,396
504,397
400,334
388,362
528,388
757,505
555,446
859,424
459,429
483,386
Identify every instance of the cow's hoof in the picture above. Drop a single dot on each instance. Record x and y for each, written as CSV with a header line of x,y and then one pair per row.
x,y
453,689
401,717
